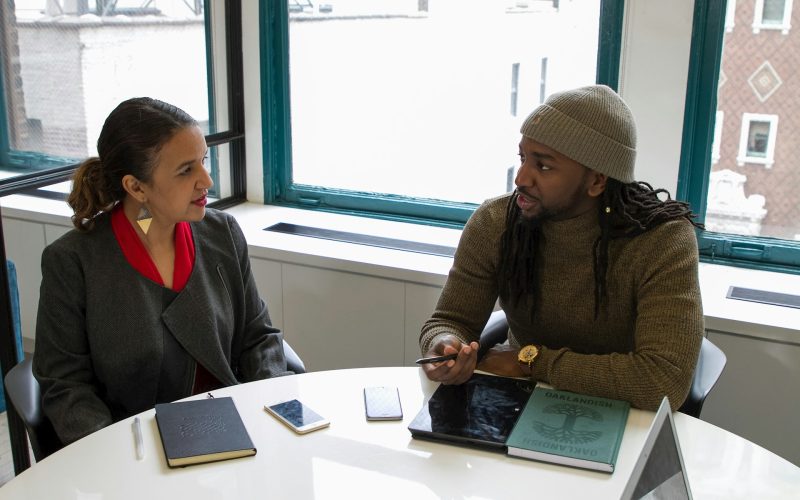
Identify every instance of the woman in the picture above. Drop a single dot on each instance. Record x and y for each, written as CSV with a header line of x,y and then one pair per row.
x,y
150,298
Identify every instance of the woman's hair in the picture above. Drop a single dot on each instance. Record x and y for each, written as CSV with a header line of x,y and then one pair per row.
x,y
625,210
129,143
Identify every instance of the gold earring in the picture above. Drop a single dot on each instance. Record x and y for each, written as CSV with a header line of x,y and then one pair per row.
x,y
144,219
608,210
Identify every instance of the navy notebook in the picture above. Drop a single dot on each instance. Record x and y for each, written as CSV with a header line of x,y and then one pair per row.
x,y
203,430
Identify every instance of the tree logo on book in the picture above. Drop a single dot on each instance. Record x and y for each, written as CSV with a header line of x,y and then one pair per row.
x,y
567,433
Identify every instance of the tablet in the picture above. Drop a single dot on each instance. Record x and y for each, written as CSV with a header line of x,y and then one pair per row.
x,y
659,472
480,412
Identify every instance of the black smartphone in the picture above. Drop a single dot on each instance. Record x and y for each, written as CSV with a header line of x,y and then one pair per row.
x,y
382,403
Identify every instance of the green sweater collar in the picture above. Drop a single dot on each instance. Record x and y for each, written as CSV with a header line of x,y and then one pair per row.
x,y
578,231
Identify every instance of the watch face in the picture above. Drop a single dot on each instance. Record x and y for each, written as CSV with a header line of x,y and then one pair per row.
x,y
528,353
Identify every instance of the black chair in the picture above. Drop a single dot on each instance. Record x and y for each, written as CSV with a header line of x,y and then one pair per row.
x,y
24,393
709,367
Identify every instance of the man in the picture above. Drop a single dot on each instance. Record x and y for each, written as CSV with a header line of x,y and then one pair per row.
x,y
598,276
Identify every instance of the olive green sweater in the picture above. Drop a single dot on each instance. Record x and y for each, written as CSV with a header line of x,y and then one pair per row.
x,y
644,343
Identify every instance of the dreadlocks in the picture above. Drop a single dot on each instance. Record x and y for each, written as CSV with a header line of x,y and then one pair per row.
x,y
626,210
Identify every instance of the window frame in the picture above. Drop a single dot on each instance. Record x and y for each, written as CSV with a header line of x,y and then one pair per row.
x,y
279,189
763,253
38,170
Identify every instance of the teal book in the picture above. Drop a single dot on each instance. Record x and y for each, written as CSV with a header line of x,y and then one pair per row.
x,y
570,429
202,430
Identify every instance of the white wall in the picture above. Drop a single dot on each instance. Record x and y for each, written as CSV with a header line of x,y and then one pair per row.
x,y
653,77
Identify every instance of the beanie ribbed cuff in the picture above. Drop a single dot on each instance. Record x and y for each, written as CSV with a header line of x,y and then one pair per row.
x,y
581,144
591,125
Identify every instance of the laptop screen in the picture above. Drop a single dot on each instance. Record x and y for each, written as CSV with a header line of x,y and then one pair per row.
x,y
659,472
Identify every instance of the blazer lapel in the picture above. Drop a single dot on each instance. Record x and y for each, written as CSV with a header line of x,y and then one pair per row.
x,y
190,319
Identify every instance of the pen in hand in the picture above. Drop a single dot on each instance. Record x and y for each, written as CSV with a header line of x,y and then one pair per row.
x,y
436,359
137,436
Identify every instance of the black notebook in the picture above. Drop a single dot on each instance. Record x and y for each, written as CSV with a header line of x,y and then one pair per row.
x,y
205,430
480,412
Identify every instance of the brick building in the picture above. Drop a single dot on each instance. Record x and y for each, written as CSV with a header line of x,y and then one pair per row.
x,y
758,118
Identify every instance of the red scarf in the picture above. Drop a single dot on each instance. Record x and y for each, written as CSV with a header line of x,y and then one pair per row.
x,y
137,256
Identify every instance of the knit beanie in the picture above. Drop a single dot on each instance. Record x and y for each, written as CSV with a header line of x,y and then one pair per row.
x,y
591,125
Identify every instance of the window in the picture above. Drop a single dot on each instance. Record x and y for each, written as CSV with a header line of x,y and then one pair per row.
x,y
514,88
400,108
717,136
757,140
730,15
752,213
67,64
772,15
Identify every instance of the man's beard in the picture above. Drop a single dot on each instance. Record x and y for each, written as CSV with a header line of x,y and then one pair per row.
x,y
545,214
535,221
549,213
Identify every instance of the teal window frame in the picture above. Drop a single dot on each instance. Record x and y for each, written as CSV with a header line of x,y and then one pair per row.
x,y
764,253
279,189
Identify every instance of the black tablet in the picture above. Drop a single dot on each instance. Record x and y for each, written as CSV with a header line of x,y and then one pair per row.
x,y
480,412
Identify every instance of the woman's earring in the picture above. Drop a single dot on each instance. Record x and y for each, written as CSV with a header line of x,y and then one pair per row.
x,y
144,219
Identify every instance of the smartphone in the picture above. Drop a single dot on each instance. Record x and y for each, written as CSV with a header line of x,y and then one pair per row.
x,y
299,417
382,403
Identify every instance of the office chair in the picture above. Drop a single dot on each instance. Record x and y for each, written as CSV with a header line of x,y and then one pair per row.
x,y
25,394
13,290
293,361
709,366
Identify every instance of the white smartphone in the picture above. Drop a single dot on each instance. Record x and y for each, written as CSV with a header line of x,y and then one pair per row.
x,y
299,417
382,403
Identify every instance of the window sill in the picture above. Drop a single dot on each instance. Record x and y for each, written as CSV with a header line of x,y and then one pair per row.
x,y
742,161
774,323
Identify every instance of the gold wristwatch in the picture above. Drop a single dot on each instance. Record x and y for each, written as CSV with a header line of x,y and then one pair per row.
x,y
527,354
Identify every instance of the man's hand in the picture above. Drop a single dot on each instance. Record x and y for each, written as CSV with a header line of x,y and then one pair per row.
x,y
454,371
502,360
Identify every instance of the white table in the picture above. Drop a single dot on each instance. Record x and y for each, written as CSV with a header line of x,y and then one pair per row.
x,y
354,458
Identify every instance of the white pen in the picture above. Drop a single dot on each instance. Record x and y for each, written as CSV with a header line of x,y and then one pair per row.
x,y
137,435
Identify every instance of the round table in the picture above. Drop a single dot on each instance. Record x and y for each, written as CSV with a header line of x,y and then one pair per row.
x,y
354,458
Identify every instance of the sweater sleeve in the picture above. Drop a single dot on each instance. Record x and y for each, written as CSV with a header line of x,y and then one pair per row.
x,y
62,358
471,289
667,334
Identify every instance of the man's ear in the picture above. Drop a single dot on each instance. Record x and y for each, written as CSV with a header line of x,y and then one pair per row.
x,y
596,183
133,187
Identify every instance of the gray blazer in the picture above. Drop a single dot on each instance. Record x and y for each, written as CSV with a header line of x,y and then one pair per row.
x,y
106,335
